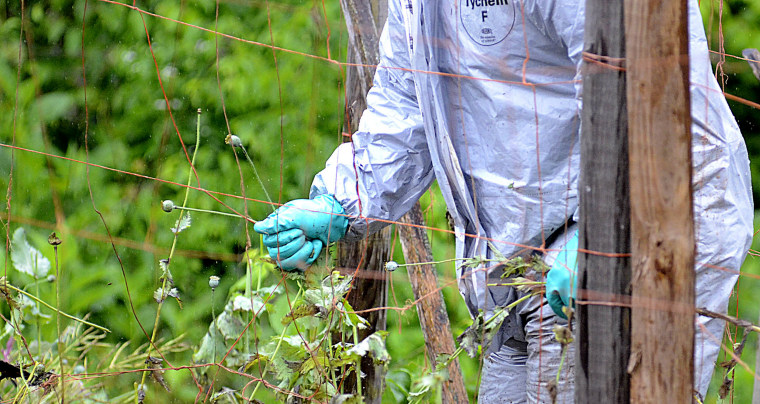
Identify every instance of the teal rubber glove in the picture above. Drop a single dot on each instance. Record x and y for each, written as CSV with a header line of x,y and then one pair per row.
x,y
296,232
562,281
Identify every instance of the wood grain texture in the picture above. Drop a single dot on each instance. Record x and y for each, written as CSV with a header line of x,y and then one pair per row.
x,y
662,228
365,259
431,308
603,332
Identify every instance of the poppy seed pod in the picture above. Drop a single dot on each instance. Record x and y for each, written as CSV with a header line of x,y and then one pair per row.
x,y
213,281
53,239
167,205
233,141
391,266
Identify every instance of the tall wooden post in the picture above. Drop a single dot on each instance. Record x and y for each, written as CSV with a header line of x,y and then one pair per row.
x,y
370,291
366,257
603,330
662,228
434,320
363,20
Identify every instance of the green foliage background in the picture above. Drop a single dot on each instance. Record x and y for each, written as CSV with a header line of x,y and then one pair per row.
x,y
288,115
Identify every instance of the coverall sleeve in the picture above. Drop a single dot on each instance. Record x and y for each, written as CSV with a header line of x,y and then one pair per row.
x,y
386,167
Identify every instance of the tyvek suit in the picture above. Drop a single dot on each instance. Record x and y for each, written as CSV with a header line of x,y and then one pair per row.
x,y
484,96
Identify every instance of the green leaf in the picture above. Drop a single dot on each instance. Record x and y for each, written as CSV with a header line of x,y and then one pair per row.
x,y
399,383
481,332
520,265
259,266
25,303
318,360
174,292
226,391
474,262
53,106
304,310
242,303
229,325
289,357
26,258
427,388
374,344
5,294
165,272
183,223
205,352
443,360
496,253
256,362
158,295
267,291
346,399
351,318
332,288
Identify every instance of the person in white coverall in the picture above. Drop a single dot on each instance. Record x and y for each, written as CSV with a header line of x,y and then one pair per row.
x,y
449,103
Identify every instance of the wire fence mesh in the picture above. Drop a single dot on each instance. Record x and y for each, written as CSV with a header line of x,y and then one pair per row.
x,y
111,109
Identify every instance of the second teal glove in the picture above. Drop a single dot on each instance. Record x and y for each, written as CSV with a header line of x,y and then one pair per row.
x,y
561,281
296,233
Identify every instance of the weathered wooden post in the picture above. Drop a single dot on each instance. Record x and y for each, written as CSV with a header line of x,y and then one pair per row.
x,y
364,20
434,320
662,226
603,330
367,256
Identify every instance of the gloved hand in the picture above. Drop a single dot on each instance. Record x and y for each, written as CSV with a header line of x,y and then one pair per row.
x,y
296,233
563,276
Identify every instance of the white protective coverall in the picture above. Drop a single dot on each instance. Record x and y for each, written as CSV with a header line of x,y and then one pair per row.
x,y
449,102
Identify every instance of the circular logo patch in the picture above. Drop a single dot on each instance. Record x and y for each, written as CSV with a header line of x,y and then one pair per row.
x,y
487,22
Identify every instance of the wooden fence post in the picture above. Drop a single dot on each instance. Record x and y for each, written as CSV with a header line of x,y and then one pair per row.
x,y
603,331
434,320
366,257
662,227
364,20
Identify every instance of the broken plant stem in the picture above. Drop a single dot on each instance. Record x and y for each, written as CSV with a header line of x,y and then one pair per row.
x,y
261,264
24,388
414,264
358,370
393,265
515,303
40,301
55,241
37,319
256,173
530,283
249,296
214,212
445,261
213,282
561,362
496,313
171,252
733,320
213,329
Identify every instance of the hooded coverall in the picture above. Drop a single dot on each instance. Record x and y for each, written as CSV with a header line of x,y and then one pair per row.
x,y
484,96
